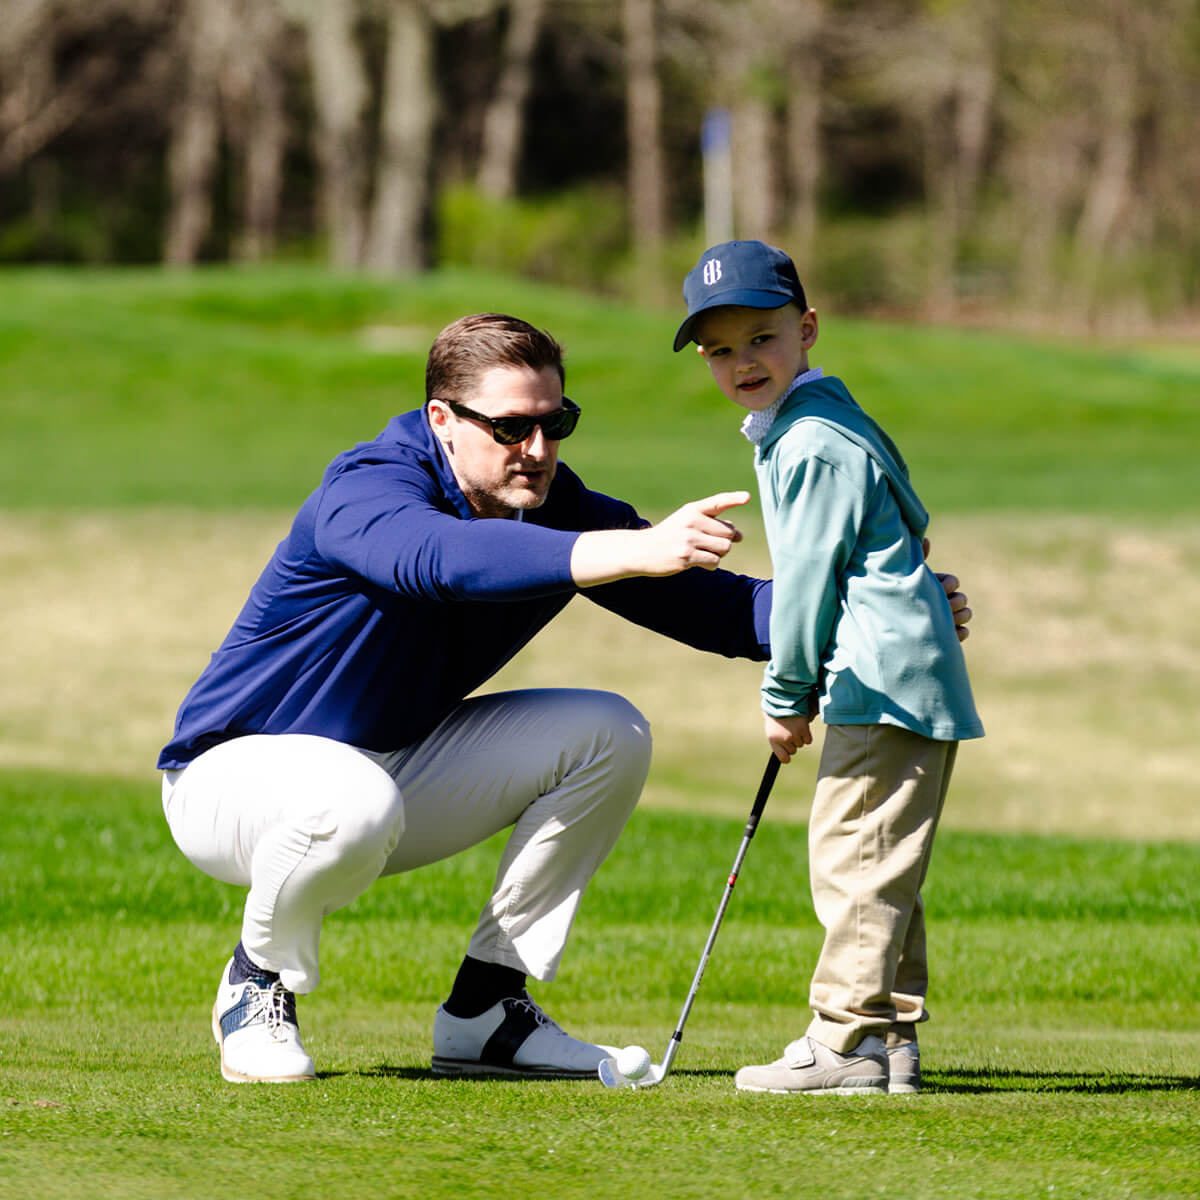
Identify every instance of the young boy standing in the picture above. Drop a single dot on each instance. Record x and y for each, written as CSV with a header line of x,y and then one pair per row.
x,y
861,632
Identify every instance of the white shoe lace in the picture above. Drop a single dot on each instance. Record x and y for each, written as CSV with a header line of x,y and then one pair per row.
x,y
271,1002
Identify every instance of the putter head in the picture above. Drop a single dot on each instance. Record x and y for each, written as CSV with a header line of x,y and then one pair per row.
x,y
612,1078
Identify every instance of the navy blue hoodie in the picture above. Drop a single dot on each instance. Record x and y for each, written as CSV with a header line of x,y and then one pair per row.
x,y
388,603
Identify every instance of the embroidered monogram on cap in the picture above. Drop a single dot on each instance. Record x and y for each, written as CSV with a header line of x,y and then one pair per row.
x,y
712,271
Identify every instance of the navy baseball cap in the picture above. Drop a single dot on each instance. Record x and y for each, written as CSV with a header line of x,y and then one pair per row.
x,y
749,274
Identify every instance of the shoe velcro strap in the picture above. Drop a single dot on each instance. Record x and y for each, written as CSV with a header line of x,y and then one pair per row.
x,y
799,1053
520,1019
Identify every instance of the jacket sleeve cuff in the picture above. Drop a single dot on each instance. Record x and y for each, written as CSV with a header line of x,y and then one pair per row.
x,y
779,701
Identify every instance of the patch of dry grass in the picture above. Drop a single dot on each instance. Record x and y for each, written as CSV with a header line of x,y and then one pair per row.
x,y
109,618
1085,658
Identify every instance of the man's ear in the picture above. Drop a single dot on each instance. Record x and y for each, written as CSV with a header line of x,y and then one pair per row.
x,y
439,421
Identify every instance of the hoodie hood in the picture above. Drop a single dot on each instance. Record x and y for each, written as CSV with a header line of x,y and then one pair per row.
x,y
827,400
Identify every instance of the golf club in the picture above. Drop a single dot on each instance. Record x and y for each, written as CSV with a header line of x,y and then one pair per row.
x,y
609,1075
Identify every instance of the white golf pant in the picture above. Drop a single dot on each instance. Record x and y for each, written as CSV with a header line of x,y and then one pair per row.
x,y
307,824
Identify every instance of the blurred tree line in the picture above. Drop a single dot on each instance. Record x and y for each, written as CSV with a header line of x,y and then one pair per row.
x,y
937,156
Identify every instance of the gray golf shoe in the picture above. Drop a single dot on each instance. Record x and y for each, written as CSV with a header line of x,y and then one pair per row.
x,y
513,1038
813,1069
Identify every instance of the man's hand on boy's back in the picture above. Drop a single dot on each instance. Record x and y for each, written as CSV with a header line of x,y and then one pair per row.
x,y
787,735
958,606
958,602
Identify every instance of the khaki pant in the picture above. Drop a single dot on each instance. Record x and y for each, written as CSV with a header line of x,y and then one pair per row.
x,y
879,795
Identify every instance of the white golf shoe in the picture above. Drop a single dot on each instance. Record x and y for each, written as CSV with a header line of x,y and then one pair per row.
x,y
513,1038
256,1030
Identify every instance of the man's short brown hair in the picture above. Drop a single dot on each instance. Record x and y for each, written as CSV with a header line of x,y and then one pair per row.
x,y
471,346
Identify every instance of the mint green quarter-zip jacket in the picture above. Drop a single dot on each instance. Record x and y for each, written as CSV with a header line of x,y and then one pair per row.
x,y
859,624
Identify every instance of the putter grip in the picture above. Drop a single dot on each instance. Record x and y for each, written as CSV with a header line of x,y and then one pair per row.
x,y
764,790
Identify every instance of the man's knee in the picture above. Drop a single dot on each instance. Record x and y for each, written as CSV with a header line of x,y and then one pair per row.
x,y
619,736
606,716
369,814
630,730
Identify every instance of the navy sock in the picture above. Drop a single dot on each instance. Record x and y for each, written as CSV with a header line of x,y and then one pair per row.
x,y
244,969
479,985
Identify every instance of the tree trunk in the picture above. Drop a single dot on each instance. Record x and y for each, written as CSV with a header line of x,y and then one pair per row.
x,y
263,129
803,24
957,124
195,133
339,95
942,208
1110,186
504,121
647,189
803,125
31,92
756,206
1046,177
402,181
975,97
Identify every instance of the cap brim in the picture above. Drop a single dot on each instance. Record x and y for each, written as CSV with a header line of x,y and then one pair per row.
x,y
742,297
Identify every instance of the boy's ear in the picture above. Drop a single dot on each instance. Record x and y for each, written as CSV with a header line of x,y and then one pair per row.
x,y
808,329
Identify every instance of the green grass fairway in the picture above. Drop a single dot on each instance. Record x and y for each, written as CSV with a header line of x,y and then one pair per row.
x,y
1063,1059
159,430
233,389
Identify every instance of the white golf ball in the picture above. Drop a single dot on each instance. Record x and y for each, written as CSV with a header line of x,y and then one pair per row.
x,y
633,1062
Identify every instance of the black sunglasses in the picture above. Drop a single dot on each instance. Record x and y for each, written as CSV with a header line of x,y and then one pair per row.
x,y
508,431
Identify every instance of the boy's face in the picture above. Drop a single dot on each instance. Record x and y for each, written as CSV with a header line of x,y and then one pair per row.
x,y
754,353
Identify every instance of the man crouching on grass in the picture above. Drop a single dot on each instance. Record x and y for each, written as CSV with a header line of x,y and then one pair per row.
x,y
329,740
